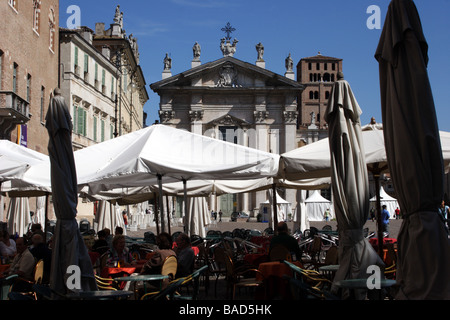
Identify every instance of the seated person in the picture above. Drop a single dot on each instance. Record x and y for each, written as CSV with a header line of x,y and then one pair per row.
x,y
40,251
185,255
7,246
100,245
119,255
284,238
22,265
154,264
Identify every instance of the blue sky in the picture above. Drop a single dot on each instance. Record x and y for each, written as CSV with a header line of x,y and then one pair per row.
x,y
302,28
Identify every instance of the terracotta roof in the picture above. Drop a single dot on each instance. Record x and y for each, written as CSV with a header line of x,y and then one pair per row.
x,y
320,57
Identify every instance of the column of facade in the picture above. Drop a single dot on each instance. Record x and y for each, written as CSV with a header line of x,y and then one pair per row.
x,y
290,127
259,138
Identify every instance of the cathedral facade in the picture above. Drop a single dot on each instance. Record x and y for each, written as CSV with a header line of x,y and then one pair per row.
x,y
234,101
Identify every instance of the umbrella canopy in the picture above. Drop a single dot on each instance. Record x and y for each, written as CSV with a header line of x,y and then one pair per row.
x,y
198,217
109,216
414,154
15,160
349,182
136,159
18,216
68,245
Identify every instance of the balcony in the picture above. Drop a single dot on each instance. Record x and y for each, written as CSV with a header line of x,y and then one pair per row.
x,y
14,110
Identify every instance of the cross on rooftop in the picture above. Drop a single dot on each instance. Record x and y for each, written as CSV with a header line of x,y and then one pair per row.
x,y
228,29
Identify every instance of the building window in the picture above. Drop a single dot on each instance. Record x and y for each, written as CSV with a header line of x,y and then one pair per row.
x,y
13,3
1,69
333,66
311,95
309,66
29,88
51,24
95,129
79,120
316,94
14,88
102,130
327,94
317,66
86,63
42,116
76,61
36,15
125,82
325,66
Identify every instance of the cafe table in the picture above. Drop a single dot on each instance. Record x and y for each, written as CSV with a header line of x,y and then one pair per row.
x,y
273,273
99,295
362,284
144,278
329,270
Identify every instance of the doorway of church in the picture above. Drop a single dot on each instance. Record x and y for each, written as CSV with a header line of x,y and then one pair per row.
x,y
227,204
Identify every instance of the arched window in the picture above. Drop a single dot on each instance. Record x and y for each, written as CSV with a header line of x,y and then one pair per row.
x,y
310,77
51,24
309,66
332,77
327,94
316,94
311,95
326,77
36,15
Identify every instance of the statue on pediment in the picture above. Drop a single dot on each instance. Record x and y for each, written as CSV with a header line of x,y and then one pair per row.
x,y
227,48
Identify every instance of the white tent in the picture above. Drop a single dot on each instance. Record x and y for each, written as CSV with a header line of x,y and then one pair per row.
x,y
284,208
316,205
385,199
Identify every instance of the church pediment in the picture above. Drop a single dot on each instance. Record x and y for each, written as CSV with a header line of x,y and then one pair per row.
x,y
229,120
227,72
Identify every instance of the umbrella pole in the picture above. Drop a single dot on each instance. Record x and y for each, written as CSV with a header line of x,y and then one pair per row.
x,y
46,217
275,209
186,224
376,177
168,214
161,203
155,205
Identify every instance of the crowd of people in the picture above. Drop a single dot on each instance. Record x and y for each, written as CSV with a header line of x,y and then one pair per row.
x,y
21,253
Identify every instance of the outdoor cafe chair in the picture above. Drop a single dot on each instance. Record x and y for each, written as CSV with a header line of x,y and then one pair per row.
x,y
166,293
238,277
311,283
37,279
106,283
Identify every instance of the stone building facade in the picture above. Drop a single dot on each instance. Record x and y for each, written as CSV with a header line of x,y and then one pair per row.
x,y
88,83
28,73
28,69
131,91
235,101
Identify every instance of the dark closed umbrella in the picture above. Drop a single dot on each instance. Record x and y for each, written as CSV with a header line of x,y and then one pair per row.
x,y
68,248
350,184
414,154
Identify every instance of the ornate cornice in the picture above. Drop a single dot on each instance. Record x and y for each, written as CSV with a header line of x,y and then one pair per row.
x,y
166,115
290,117
195,115
260,116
